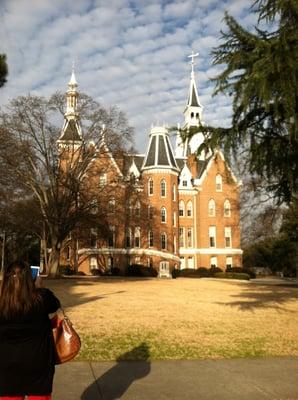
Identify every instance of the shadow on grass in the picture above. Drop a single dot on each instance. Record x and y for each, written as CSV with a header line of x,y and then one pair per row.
x,y
115,382
64,289
264,296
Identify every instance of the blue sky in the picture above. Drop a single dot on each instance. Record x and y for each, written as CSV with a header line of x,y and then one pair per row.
x,y
132,54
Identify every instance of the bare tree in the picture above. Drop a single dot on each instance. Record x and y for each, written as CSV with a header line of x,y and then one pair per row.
x,y
59,178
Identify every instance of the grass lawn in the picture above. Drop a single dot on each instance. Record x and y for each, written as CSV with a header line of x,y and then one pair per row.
x,y
179,318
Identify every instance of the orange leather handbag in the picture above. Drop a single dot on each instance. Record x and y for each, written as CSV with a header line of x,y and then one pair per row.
x,y
67,341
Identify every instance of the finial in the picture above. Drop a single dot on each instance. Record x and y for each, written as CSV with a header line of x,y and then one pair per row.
x,y
73,81
192,63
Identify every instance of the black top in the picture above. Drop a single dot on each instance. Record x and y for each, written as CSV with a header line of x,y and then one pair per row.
x,y
27,358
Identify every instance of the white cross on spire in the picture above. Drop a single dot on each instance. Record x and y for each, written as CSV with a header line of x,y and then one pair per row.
x,y
192,63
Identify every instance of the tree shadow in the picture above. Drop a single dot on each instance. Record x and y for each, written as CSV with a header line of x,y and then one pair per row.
x,y
115,382
264,296
64,289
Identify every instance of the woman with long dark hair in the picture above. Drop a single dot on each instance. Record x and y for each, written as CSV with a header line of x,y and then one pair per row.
x,y
27,354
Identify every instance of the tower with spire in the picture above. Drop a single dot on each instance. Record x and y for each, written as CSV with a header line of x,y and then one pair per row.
x,y
71,133
192,117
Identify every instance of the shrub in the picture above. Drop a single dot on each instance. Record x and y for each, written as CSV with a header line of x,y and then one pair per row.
x,y
240,270
65,270
96,272
115,271
214,270
141,271
232,275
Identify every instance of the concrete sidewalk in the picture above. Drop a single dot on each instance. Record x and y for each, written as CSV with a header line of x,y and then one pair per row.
x,y
242,379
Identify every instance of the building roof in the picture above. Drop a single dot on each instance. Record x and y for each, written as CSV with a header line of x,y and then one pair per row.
x,y
71,131
159,153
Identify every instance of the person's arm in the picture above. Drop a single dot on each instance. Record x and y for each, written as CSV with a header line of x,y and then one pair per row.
x,y
51,303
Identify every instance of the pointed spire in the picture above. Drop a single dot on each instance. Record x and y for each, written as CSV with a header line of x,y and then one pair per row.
x,y
72,82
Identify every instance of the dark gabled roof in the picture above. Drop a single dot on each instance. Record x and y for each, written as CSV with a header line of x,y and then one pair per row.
x,y
128,159
70,131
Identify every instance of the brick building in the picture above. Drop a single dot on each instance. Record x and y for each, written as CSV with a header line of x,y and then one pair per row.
x,y
181,211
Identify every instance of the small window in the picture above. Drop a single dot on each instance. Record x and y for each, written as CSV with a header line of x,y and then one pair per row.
x,y
93,237
218,181
150,212
228,237
102,180
189,237
211,208
175,244
128,238
174,192
227,208
111,206
212,236
150,187
94,206
192,115
138,209
163,188
229,263
174,219
184,182
213,262
181,208
93,263
111,237
182,262
190,263
150,238
181,237
189,209
163,241
137,237
163,215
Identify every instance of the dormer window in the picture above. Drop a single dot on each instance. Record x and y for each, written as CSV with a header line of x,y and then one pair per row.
x,y
184,183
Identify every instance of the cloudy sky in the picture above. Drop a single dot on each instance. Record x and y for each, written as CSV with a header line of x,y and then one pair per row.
x,y
130,53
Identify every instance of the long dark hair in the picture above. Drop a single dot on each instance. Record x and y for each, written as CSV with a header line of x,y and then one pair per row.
x,y
18,293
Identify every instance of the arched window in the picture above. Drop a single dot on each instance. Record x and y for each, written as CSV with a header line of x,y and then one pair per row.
x,y
111,206
150,238
163,213
137,237
218,182
163,239
94,206
174,192
227,208
181,208
211,208
150,187
163,188
189,209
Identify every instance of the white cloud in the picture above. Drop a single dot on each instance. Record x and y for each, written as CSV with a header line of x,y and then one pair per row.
x,y
129,53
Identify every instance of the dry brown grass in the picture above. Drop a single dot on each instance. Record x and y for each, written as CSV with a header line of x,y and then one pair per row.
x,y
182,318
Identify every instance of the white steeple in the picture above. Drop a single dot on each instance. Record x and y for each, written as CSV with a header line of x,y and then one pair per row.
x,y
71,131
71,96
192,116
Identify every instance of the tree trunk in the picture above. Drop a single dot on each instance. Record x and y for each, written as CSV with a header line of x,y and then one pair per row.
x,y
54,259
